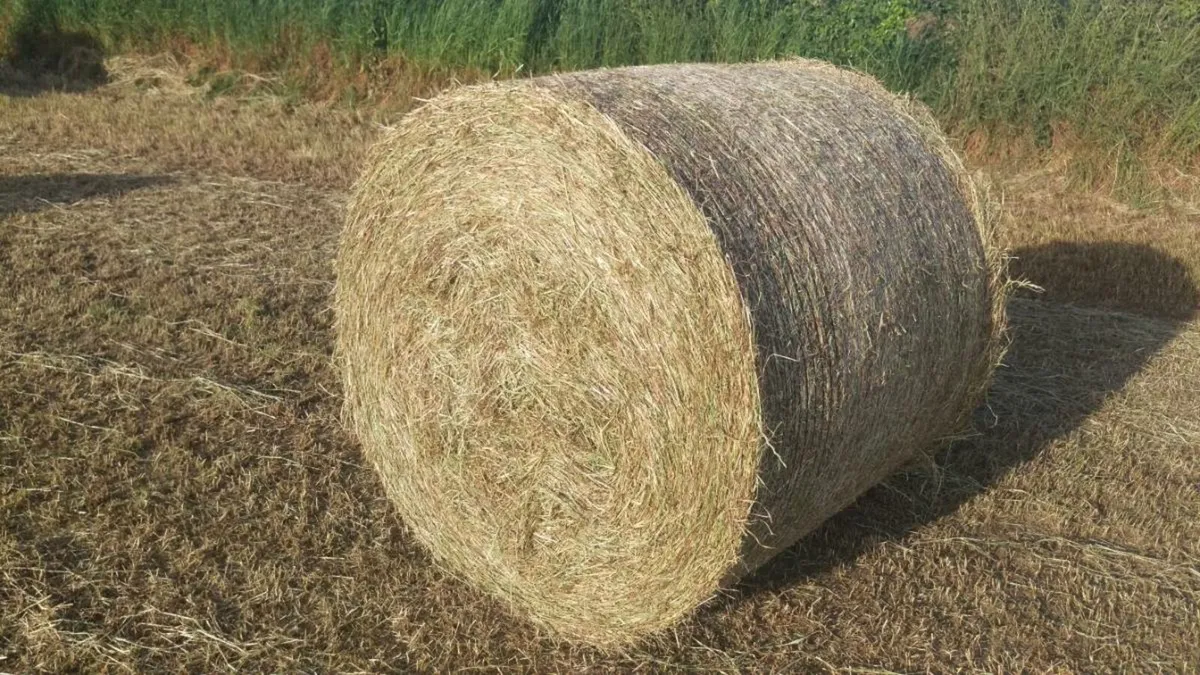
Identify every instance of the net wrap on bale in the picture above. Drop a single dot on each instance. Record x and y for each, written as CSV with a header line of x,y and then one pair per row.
x,y
612,339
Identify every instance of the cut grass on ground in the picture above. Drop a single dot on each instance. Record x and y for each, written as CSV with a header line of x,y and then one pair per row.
x,y
177,493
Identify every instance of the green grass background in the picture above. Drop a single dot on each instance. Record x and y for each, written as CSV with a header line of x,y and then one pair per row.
x,y
1122,75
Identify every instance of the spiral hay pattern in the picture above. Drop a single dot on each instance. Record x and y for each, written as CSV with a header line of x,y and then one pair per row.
x,y
612,339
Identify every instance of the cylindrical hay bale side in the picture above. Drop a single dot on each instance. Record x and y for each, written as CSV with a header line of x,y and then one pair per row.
x,y
612,339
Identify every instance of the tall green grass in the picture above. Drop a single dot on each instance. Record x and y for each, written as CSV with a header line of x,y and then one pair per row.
x,y
536,35
1122,75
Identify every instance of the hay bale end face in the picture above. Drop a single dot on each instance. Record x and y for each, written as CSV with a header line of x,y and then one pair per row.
x,y
612,339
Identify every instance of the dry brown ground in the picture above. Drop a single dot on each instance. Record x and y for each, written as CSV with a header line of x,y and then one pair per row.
x,y
176,492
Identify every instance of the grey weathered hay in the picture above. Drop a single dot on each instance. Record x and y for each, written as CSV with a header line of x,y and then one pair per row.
x,y
614,338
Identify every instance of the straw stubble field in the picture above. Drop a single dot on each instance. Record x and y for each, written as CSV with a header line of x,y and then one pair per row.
x,y
176,490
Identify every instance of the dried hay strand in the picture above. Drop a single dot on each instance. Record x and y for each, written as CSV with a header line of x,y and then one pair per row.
x,y
612,339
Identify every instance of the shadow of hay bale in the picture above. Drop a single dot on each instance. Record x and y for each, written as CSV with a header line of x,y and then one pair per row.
x,y
1063,364
30,193
1127,277
44,57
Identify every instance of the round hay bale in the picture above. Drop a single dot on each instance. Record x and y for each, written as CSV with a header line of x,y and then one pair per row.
x,y
612,339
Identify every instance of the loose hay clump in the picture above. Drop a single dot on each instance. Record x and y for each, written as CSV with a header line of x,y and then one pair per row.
x,y
612,339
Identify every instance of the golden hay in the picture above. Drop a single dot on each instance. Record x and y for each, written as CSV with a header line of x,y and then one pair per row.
x,y
612,339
